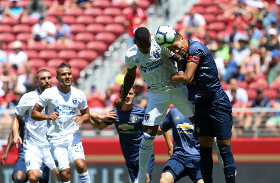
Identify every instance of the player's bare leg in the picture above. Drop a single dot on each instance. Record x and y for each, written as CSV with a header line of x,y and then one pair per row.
x,y
83,176
65,175
34,175
19,177
148,178
166,177
56,174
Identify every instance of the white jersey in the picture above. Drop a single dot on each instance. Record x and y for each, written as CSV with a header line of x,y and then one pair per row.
x,y
156,67
67,105
34,130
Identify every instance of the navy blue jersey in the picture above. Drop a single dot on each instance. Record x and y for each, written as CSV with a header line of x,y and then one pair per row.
x,y
206,75
186,145
21,134
130,129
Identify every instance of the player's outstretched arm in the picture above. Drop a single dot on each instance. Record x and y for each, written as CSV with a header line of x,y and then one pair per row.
x,y
9,146
15,129
108,118
83,118
127,85
37,115
187,77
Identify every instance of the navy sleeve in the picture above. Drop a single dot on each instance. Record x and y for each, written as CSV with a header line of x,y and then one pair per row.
x,y
167,123
196,51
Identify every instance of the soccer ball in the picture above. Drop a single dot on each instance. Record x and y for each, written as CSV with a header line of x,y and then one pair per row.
x,y
165,35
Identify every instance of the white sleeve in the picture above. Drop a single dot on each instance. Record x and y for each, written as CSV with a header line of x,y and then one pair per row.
x,y
167,52
83,104
23,105
43,99
52,28
186,21
36,29
201,20
130,64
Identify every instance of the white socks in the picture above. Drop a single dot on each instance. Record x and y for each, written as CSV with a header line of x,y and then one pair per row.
x,y
83,178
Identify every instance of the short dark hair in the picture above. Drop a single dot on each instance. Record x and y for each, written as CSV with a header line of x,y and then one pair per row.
x,y
142,34
121,88
62,65
178,36
41,70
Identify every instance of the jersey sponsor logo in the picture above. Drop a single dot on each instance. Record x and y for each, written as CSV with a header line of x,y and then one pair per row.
x,y
126,127
194,58
147,117
74,100
177,117
137,61
185,126
133,119
67,110
151,66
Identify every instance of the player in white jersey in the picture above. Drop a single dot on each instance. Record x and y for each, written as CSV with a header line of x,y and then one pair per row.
x,y
62,103
36,146
156,68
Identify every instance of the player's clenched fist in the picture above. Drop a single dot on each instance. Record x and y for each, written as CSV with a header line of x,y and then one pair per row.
x,y
53,116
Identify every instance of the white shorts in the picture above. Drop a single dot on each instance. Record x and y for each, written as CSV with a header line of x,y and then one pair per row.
x,y
35,156
159,101
65,154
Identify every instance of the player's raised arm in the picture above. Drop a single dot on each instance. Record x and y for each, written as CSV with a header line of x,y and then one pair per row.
x,y
8,148
37,115
15,129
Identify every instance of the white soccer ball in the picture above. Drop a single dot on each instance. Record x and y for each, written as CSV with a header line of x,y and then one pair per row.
x,y
165,35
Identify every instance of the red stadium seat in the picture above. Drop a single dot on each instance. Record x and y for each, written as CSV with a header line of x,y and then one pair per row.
x,y
126,10
199,9
104,19
257,85
212,10
36,63
56,46
106,37
5,28
74,12
143,4
77,28
177,27
224,85
120,4
275,86
31,54
54,12
75,73
21,28
47,54
270,93
9,21
95,28
38,46
22,3
93,12
259,77
252,93
67,54
119,19
28,20
78,63
85,19
116,29
101,4
24,37
52,19
97,46
112,11
221,18
84,36
88,55
209,18
212,34
68,19
216,26
48,3
242,84
76,45
204,3
55,62
7,37
23,46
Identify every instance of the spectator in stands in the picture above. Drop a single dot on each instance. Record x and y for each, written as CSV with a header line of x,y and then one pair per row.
x,y
273,68
13,103
268,15
16,86
60,4
8,95
252,40
234,36
223,49
272,41
36,8
274,24
241,93
17,58
2,10
257,34
264,60
259,101
26,78
231,69
190,36
44,31
14,11
84,4
218,60
110,98
96,100
234,17
208,41
274,121
140,96
3,56
194,22
242,51
120,76
63,32
134,19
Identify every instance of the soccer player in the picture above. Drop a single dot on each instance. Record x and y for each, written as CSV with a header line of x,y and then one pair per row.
x,y
128,122
23,126
212,105
63,103
185,159
156,68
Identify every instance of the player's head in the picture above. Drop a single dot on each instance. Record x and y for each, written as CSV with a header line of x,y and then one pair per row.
x,y
44,79
180,45
143,39
130,96
64,74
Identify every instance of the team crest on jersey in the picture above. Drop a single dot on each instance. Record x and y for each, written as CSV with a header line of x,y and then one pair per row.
x,y
197,129
56,163
74,100
133,119
156,54
147,117
28,163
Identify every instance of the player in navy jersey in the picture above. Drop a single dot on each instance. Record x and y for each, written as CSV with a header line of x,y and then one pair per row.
x,y
186,158
128,122
212,105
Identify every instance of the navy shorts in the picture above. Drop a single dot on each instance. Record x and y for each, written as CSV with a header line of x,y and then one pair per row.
x,y
134,167
20,166
213,117
178,169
